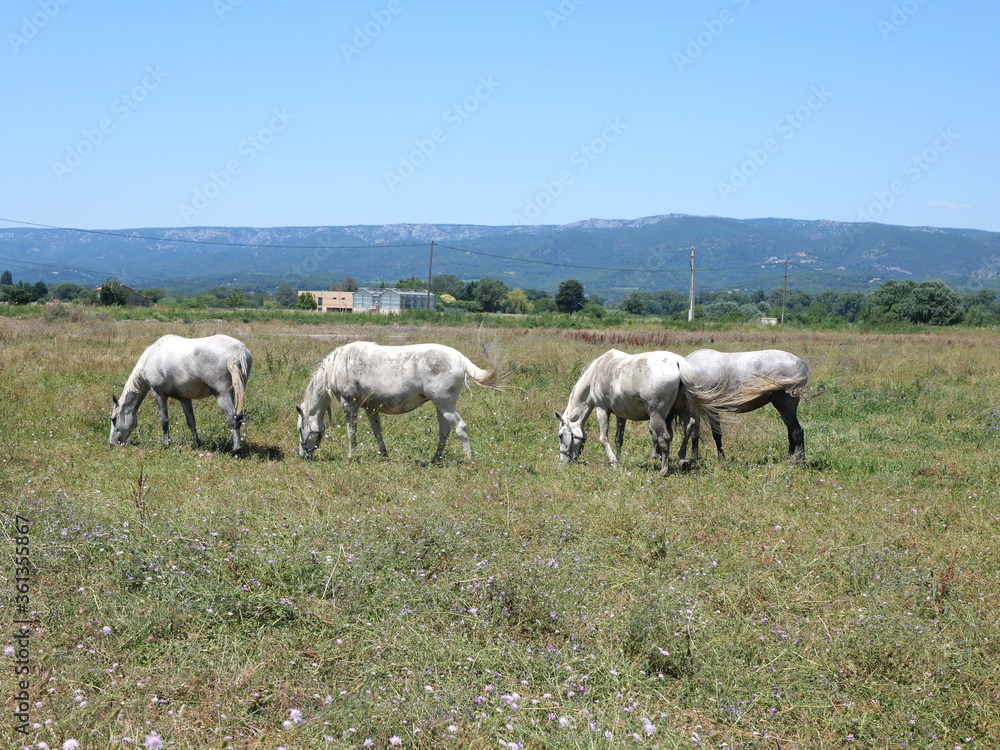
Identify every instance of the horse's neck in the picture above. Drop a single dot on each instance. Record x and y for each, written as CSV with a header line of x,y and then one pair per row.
x,y
579,407
136,388
317,400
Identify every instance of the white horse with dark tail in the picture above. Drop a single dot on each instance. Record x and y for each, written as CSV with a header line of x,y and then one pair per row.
x,y
653,387
185,369
752,380
390,380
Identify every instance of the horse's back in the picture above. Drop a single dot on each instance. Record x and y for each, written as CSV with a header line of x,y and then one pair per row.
x,y
712,366
195,367
397,378
633,384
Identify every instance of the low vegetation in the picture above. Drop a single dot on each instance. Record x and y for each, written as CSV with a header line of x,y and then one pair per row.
x,y
186,596
891,305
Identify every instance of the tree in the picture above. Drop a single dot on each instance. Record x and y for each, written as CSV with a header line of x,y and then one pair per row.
x,y
930,302
632,304
934,303
306,301
153,294
411,283
537,294
39,290
347,284
19,296
286,296
238,298
446,283
490,293
6,279
66,291
112,294
516,302
570,297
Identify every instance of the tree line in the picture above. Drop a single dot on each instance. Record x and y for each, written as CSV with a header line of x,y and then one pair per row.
x,y
894,302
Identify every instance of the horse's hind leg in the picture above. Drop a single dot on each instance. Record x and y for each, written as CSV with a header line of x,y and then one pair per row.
x,y
448,420
189,417
375,420
787,407
686,421
662,433
716,426
619,435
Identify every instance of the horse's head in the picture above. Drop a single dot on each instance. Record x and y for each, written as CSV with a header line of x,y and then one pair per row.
x,y
122,423
572,438
311,429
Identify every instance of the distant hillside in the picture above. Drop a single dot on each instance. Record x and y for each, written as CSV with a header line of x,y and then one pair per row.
x,y
610,257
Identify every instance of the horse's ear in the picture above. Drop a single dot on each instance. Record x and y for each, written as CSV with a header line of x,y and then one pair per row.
x,y
559,416
298,408
114,399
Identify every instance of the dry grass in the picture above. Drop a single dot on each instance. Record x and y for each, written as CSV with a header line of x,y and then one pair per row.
x,y
511,601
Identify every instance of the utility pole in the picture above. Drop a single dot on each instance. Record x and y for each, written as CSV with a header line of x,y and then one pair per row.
x,y
784,292
430,266
691,306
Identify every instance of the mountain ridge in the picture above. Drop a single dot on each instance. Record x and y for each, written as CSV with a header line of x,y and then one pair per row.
x,y
609,256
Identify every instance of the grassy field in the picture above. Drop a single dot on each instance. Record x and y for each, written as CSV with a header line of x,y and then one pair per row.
x,y
264,601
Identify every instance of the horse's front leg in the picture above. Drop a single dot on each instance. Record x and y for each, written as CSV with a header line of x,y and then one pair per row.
x,y
161,403
662,433
351,414
602,423
225,401
375,420
189,417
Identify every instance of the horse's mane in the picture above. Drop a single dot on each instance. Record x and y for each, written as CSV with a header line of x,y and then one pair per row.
x,y
136,383
319,384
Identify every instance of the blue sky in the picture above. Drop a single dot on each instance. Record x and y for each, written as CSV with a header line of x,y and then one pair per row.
x,y
251,113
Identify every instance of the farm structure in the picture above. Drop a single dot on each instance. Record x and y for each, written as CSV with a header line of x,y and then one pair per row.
x,y
388,301
331,302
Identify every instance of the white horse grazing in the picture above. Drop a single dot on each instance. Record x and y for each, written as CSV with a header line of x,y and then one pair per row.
x,y
390,380
763,377
185,369
652,386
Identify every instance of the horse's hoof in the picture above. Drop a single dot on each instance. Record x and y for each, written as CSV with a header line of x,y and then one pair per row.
x,y
685,465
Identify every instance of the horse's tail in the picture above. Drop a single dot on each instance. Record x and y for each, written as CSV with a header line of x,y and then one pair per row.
x,y
493,375
702,401
731,395
239,366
